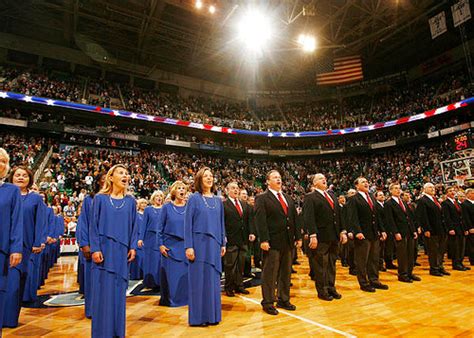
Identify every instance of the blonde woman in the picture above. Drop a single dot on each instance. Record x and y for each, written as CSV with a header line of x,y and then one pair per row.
x,y
113,238
136,267
148,241
174,265
11,228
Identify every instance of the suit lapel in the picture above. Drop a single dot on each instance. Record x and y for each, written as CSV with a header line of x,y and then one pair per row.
x,y
276,201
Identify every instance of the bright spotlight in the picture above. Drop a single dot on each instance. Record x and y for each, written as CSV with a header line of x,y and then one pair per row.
x,y
255,30
198,4
307,43
212,9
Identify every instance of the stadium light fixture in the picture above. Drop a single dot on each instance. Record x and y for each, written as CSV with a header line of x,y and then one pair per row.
x,y
212,9
255,30
198,4
307,43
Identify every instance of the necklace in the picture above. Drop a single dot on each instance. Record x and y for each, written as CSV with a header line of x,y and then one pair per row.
x,y
120,206
176,210
155,209
207,205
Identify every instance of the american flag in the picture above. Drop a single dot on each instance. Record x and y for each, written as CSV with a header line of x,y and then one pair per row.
x,y
346,69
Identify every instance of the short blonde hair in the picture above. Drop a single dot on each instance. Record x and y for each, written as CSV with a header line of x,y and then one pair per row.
x,y
3,153
174,189
156,193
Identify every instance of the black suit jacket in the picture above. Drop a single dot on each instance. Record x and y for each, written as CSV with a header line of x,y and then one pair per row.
x,y
320,218
452,217
430,217
467,215
362,219
272,224
379,209
237,228
397,220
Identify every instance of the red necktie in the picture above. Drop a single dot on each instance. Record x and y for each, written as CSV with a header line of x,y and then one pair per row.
x,y
371,205
283,204
331,203
457,206
238,208
436,202
401,205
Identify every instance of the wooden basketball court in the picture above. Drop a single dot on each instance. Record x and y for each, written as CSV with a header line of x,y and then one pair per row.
x,y
433,307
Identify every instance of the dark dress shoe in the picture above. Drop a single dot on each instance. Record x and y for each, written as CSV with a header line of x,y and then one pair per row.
x,y
242,291
379,286
296,263
391,266
458,268
444,272
270,310
382,268
335,294
229,293
325,296
287,306
466,267
417,264
436,273
367,288
416,278
405,280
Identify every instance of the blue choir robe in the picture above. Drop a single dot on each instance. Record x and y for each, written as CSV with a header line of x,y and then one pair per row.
x,y
33,220
152,255
136,266
11,236
174,268
46,257
113,232
204,232
34,265
82,235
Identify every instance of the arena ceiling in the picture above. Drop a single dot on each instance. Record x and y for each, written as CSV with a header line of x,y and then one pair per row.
x,y
391,35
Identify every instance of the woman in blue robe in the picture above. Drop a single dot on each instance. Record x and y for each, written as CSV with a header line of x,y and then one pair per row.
x,y
136,266
82,234
34,264
204,240
11,229
33,220
148,241
174,265
113,238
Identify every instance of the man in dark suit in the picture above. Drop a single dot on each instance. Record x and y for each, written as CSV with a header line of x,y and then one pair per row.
x,y
343,249
430,217
452,215
386,246
323,220
275,218
406,197
243,198
238,232
399,223
350,236
468,220
367,230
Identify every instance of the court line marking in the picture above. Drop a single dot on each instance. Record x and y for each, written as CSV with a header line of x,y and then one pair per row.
x,y
309,321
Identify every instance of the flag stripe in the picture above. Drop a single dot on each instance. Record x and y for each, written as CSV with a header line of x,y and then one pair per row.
x,y
357,66
339,74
